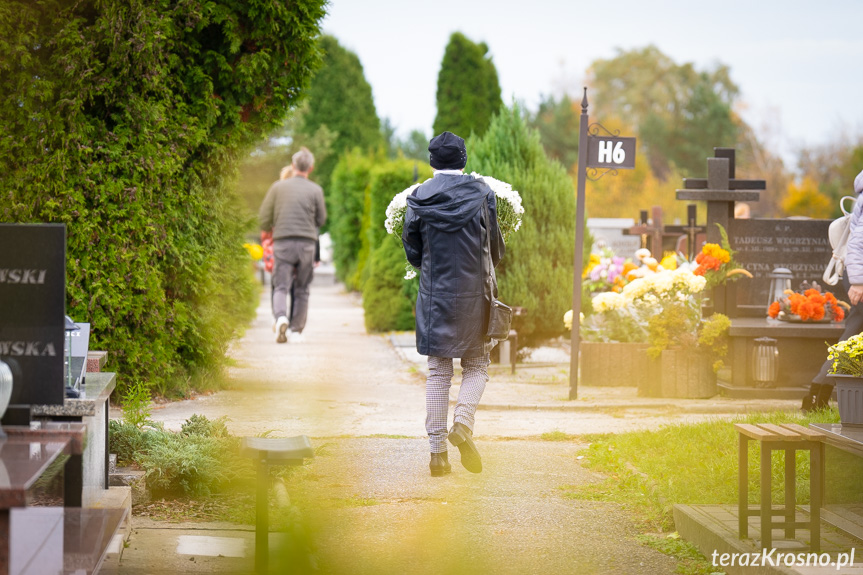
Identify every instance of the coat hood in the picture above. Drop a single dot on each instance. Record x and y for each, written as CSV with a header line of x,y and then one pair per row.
x,y
448,202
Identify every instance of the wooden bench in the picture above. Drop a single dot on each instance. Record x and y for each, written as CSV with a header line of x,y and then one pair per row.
x,y
789,438
268,451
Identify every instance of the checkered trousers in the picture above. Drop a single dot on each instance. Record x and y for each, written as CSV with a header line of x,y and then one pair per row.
x,y
473,379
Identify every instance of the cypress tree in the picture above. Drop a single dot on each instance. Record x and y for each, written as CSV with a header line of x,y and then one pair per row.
x,y
468,91
536,272
340,98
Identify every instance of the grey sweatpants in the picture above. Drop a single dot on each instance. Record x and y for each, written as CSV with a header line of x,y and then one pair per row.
x,y
474,376
295,264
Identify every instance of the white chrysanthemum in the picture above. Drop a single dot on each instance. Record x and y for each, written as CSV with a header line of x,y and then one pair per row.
x,y
608,301
509,211
396,211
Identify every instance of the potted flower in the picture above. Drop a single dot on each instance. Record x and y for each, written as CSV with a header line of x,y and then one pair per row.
x,y
717,265
613,342
687,349
847,373
659,317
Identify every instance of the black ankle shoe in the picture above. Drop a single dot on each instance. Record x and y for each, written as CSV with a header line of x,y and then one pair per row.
x,y
461,437
439,464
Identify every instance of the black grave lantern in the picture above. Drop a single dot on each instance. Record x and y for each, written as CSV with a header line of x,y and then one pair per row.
x,y
765,362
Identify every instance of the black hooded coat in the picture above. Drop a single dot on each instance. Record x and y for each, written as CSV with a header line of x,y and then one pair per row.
x,y
445,236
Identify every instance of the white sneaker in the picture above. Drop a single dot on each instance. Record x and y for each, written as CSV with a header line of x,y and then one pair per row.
x,y
281,329
296,337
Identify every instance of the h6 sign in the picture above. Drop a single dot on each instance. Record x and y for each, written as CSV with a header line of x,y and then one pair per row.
x,y
610,152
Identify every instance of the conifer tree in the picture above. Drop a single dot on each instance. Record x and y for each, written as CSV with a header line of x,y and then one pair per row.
x,y
468,91
340,99
536,272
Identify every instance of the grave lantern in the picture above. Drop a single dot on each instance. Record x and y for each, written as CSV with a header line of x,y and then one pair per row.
x,y
780,280
71,380
765,362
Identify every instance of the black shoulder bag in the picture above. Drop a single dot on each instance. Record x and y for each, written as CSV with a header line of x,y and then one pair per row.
x,y
499,314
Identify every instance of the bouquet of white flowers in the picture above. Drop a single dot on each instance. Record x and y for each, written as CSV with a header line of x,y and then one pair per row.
x,y
509,211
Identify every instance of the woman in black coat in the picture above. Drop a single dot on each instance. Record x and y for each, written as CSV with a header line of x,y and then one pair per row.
x,y
451,233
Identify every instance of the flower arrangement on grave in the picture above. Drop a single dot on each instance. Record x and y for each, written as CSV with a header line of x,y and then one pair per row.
x,y
605,272
662,309
847,356
809,304
716,263
509,211
614,320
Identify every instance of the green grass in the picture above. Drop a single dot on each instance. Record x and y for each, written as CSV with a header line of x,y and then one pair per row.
x,y
690,464
689,560
557,436
389,436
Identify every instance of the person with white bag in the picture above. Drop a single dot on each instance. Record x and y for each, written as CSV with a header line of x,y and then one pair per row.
x,y
852,278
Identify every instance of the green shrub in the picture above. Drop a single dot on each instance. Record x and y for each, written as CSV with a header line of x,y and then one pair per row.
x,y
184,465
124,121
347,191
136,404
388,299
536,272
203,427
126,439
203,458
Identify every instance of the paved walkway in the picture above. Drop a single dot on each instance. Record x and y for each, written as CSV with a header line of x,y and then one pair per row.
x,y
368,496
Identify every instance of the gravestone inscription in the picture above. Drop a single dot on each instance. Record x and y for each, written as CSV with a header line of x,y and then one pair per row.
x,y
762,245
32,310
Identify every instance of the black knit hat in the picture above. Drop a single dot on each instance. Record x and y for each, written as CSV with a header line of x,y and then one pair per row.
x,y
447,152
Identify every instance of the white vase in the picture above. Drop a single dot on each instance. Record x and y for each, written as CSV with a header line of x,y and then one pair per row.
x,y
5,387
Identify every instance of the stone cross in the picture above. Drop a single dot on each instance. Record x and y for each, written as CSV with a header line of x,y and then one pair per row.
x,y
720,190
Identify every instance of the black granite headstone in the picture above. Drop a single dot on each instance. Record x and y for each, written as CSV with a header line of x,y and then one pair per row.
x,y
765,244
32,310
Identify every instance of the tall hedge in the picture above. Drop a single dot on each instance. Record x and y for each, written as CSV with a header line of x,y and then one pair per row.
x,y
536,272
124,120
468,91
340,99
388,299
347,191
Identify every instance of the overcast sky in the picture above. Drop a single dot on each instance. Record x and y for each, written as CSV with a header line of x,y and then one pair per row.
x,y
799,64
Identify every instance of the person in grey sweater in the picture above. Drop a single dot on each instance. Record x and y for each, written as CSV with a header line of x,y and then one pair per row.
x,y
294,210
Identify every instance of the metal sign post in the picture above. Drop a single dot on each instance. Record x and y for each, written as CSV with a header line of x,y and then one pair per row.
x,y
612,153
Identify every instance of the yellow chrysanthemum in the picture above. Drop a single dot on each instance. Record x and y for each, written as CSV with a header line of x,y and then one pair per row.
x,y
716,251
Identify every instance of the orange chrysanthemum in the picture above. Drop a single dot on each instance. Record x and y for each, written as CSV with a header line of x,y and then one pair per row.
x,y
774,309
715,251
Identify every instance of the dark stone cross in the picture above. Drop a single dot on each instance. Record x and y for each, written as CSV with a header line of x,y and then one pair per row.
x,y
720,190
651,234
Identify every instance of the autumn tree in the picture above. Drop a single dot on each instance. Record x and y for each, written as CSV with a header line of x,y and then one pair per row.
x,y
468,91
679,113
804,199
833,167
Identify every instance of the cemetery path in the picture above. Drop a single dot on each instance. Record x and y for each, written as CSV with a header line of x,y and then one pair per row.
x,y
344,382
368,498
